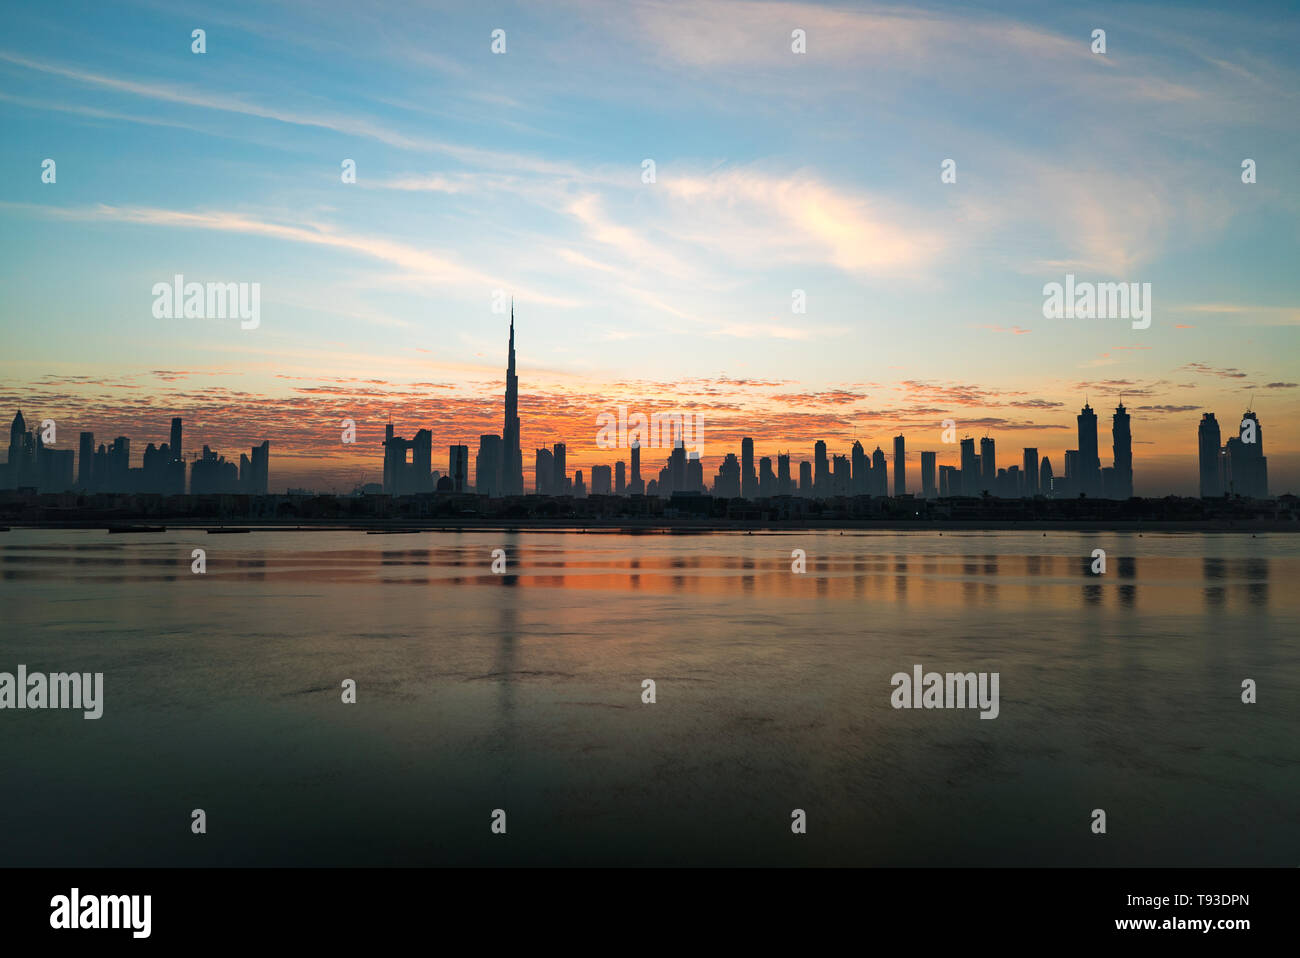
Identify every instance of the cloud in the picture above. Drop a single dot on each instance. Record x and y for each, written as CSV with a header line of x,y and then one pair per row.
x,y
1206,370
418,263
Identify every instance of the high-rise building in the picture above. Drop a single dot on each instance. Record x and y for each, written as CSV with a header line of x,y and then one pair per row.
x,y
676,470
403,477
766,478
511,461
727,483
488,465
748,478
783,486
805,478
1246,465
601,481
620,478
1207,441
821,469
20,465
1087,474
927,475
841,476
949,481
174,441
1121,481
86,459
560,477
988,466
879,473
900,467
970,467
636,485
695,471
1030,469
861,466
422,461
543,472
261,471
1045,477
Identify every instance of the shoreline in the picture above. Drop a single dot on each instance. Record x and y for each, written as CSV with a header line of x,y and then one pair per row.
x,y
672,527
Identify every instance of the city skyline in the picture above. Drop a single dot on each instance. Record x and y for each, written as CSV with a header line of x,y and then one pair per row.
x,y
1236,467
775,265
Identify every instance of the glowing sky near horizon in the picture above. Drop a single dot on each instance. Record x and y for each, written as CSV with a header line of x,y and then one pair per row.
x,y
775,172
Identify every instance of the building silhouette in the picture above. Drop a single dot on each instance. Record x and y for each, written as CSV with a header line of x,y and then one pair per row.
x,y
1209,453
968,480
489,465
928,490
748,478
543,472
988,466
1086,471
1029,463
1120,484
511,466
1245,466
636,485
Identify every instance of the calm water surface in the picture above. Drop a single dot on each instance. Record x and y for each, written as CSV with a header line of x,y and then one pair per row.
x,y
523,692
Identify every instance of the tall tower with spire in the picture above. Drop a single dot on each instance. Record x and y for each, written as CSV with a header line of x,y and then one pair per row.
x,y
512,465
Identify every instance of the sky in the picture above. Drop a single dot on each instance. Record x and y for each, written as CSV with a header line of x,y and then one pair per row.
x,y
482,176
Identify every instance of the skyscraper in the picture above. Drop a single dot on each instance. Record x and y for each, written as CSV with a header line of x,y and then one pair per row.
x,y
260,477
512,463
1247,468
1030,467
1207,441
560,477
488,465
174,444
620,478
927,475
636,486
988,466
1087,477
748,478
85,458
783,487
900,467
18,468
879,473
1122,445
821,469
543,472
970,467
861,470
727,483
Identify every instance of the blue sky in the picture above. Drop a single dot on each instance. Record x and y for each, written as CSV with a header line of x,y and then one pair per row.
x,y
774,172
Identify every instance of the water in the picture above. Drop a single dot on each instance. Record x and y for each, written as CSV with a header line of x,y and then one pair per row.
x,y
523,692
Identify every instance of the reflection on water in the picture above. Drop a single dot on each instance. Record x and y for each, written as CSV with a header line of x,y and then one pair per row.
x,y
478,691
